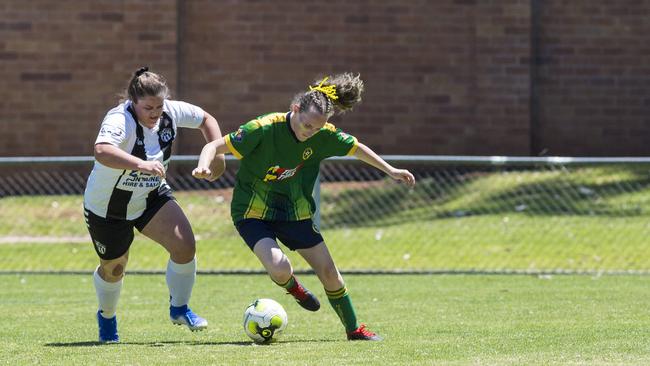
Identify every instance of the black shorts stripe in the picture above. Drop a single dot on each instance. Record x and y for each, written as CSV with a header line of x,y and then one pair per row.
x,y
119,202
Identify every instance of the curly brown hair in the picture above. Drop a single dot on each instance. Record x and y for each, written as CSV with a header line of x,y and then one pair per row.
x,y
348,88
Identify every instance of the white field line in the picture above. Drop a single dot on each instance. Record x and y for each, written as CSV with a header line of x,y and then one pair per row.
x,y
16,239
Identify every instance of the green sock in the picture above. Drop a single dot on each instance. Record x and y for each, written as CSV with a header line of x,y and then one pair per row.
x,y
289,284
342,304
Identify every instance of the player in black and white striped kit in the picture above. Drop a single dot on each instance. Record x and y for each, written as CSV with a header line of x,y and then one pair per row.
x,y
127,189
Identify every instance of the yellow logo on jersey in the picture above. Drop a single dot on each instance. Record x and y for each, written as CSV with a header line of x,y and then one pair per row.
x,y
307,153
275,173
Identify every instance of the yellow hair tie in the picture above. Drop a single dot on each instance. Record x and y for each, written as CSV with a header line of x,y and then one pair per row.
x,y
329,90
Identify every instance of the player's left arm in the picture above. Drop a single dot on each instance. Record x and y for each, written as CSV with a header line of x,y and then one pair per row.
x,y
365,154
211,132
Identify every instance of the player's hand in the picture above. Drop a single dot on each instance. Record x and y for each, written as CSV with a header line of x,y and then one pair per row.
x,y
153,167
217,167
403,175
202,173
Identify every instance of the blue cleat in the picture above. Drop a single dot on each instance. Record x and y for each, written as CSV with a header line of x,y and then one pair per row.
x,y
107,329
183,315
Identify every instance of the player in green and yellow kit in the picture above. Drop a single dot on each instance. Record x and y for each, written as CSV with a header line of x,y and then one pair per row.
x,y
280,156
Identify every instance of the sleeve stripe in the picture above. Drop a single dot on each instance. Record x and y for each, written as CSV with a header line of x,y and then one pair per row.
x,y
354,148
231,147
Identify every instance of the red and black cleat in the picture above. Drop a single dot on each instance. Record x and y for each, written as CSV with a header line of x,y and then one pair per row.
x,y
304,297
363,334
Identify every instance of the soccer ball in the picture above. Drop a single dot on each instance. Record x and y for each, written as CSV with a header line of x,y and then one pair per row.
x,y
264,320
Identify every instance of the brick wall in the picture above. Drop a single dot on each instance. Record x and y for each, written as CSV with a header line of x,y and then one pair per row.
x,y
59,76
593,81
442,77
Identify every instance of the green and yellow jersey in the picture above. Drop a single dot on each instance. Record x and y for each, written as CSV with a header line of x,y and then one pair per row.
x,y
277,173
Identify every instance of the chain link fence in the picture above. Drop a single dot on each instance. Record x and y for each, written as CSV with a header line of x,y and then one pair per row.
x,y
466,214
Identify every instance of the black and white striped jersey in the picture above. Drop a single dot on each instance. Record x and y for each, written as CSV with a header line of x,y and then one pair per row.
x,y
123,194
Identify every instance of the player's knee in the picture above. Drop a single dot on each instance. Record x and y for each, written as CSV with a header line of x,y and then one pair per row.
x,y
113,271
118,271
188,246
184,250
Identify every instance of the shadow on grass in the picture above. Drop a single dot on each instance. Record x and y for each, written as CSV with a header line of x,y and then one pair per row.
x,y
184,343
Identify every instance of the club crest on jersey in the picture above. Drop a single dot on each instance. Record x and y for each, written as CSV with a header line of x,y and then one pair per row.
x,y
307,153
101,248
239,135
166,134
276,174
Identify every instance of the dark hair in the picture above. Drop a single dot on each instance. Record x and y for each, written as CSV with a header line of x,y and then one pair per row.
x,y
145,83
329,96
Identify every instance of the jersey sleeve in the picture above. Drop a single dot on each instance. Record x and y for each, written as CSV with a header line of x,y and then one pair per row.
x,y
245,139
185,114
113,130
339,143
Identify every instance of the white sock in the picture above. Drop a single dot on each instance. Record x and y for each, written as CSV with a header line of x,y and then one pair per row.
x,y
180,280
108,295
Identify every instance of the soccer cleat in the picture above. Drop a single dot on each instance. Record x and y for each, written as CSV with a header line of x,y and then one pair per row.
x,y
363,334
183,315
107,329
304,297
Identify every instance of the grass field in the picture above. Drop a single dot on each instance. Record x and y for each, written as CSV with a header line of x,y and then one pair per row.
x,y
432,320
471,243
593,219
586,219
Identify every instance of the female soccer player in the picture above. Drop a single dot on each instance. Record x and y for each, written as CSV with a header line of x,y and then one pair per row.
x,y
280,156
127,189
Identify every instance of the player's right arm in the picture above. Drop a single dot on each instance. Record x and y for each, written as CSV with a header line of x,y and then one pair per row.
x,y
114,135
239,143
116,158
208,154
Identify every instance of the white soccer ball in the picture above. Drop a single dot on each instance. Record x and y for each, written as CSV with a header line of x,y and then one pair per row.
x,y
264,320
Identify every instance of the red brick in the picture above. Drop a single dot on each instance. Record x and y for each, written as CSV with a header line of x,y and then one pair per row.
x,y
455,73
